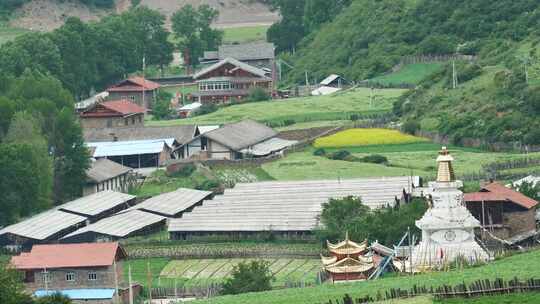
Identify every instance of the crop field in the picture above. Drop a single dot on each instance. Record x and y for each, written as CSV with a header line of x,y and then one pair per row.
x,y
523,266
206,271
306,109
245,34
365,137
409,74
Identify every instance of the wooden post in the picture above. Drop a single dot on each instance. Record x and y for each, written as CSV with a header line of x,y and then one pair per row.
x,y
130,286
116,299
410,249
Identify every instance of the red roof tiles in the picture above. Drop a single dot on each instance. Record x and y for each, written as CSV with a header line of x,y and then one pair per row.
x,y
69,256
498,192
134,84
115,108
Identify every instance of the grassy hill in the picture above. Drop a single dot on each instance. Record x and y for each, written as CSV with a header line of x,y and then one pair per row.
x,y
339,106
409,74
524,266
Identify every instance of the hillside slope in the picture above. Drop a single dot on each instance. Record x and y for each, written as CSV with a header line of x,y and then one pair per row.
x,y
46,15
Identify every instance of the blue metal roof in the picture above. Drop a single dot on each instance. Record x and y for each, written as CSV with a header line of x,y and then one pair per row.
x,y
80,294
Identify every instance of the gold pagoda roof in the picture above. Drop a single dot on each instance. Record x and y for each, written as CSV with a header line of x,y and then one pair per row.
x,y
347,247
445,171
349,265
328,260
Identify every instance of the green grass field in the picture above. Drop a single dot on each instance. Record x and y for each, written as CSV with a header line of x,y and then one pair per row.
x,y
245,34
409,74
524,266
307,109
8,33
406,159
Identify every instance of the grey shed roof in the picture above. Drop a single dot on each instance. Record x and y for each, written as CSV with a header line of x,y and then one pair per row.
x,y
182,134
172,203
240,135
121,225
104,169
97,203
235,62
248,51
284,206
44,225
269,146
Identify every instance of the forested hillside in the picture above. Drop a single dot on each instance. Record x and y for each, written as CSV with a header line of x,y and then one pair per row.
x,y
494,100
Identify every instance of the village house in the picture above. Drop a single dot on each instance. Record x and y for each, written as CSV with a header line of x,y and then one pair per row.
x,y
105,174
112,114
257,54
230,79
240,140
87,273
505,213
137,90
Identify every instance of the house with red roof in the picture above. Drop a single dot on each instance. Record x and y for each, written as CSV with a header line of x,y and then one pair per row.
x,y
135,89
113,114
87,272
503,212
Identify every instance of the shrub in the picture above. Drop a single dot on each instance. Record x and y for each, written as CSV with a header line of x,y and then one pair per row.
x,y
319,152
249,277
288,122
185,171
258,94
340,155
355,117
410,127
206,109
375,158
209,185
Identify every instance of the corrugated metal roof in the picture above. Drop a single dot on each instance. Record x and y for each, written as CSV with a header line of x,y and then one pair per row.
x,y
191,106
247,51
135,147
182,134
121,224
328,80
79,294
97,203
324,91
44,225
205,129
269,146
103,169
172,203
285,206
240,135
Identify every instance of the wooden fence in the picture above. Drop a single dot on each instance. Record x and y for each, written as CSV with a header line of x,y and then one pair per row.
x,y
475,289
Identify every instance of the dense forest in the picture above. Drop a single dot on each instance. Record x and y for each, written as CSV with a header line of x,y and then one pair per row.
x,y
7,6
497,99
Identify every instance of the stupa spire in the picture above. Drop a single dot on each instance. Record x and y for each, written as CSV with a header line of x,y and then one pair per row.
x,y
445,171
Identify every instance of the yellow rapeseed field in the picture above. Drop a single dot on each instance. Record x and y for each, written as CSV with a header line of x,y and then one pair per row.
x,y
364,137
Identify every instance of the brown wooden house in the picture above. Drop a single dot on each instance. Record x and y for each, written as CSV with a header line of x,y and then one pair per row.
x,y
505,213
137,90
230,79
113,114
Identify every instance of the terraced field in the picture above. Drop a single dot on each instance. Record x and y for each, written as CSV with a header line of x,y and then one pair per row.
x,y
205,271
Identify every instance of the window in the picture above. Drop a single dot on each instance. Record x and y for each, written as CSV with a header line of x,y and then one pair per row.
x,y
126,121
92,276
109,123
46,276
140,119
132,120
70,276
132,98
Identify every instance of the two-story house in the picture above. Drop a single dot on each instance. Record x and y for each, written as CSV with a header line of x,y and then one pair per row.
x,y
135,89
113,114
75,270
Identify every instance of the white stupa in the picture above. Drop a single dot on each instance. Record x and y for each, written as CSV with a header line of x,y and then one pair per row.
x,y
447,226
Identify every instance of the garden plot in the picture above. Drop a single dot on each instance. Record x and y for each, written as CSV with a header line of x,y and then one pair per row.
x,y
216,270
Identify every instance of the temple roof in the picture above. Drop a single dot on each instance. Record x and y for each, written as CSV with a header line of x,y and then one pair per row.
x,y
350,265
347,247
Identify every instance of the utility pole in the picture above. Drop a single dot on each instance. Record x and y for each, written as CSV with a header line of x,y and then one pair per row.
x,y
307,80
130,286
144,80
371,97
149,281
454,75
410,249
